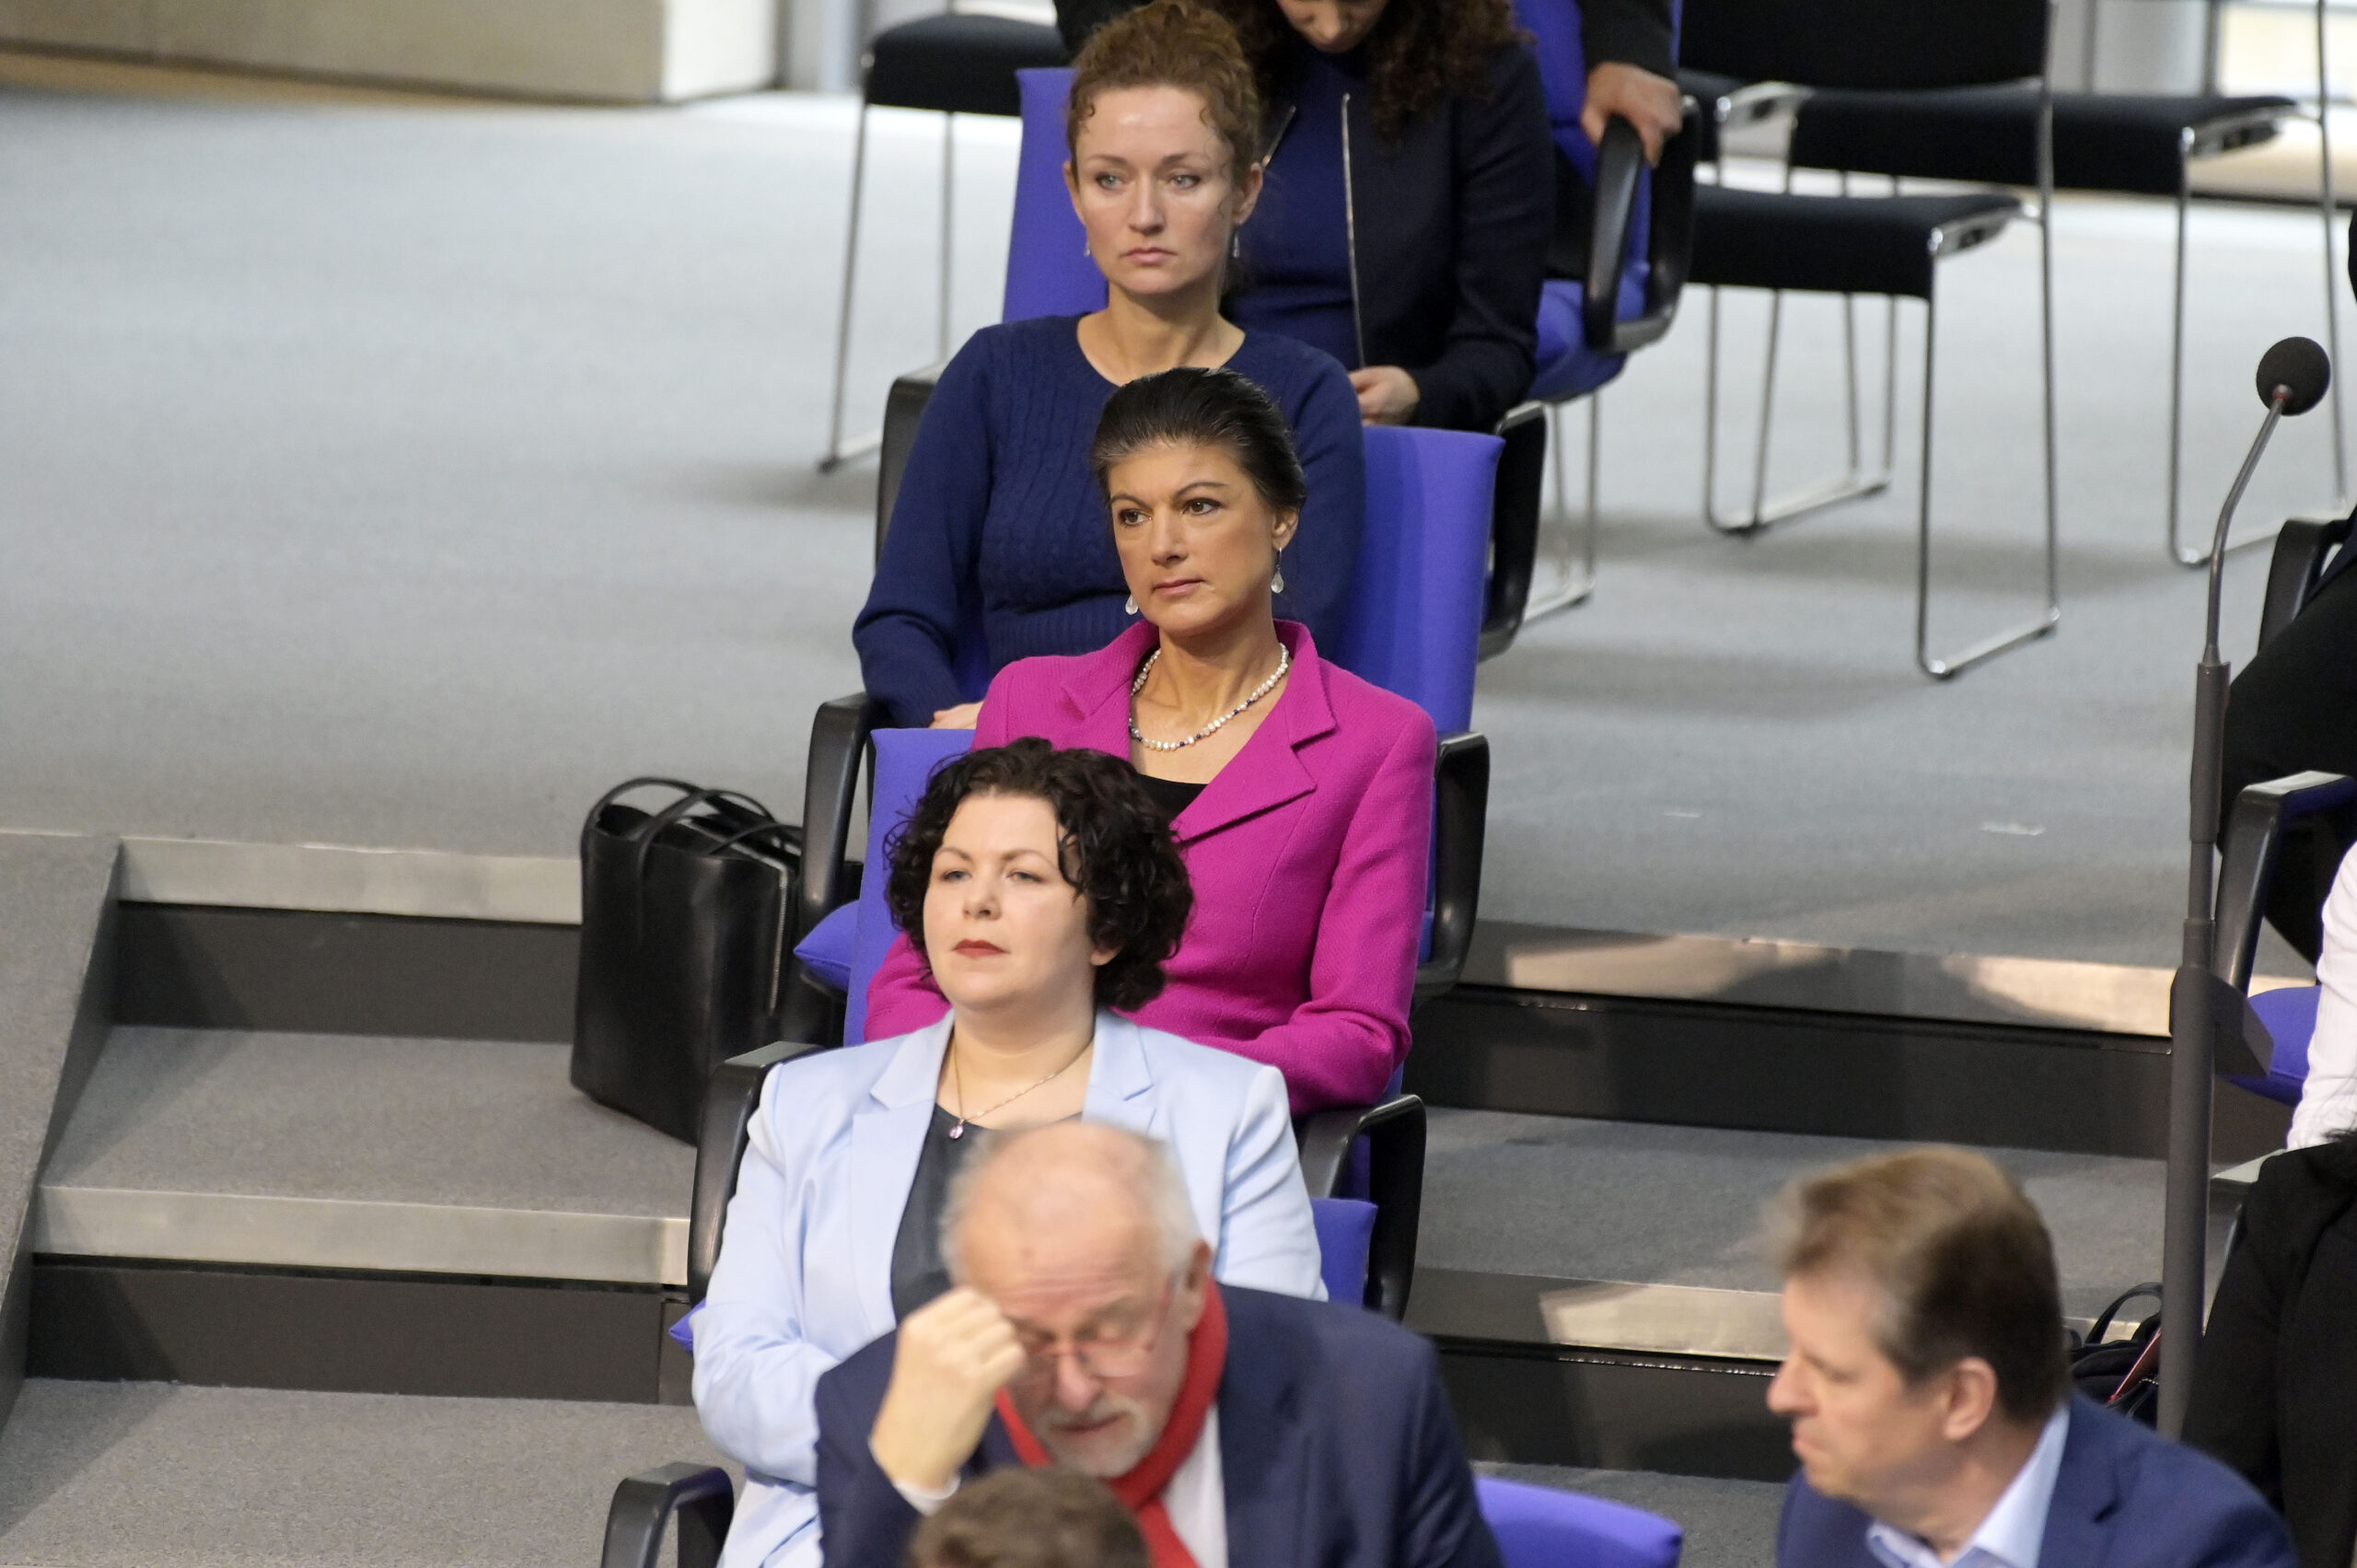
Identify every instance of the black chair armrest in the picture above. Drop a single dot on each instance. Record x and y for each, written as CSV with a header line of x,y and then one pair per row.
x,y
838,743
903,412
729,1100
703,1498
1515,506
1395,1135
1620,171
2253,844
1462,801
2302,546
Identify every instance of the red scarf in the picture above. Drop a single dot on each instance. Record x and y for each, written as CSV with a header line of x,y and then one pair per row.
x,y
1140,1488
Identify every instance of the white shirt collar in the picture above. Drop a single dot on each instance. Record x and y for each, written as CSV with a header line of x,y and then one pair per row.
x,y
2015,1531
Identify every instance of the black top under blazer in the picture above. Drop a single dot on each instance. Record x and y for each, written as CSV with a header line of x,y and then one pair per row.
x,y
2275,1390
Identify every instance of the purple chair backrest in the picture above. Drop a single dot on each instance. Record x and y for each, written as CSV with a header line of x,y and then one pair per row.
x,y
1554,28
1049,271
1538,1527
1414,623
905,763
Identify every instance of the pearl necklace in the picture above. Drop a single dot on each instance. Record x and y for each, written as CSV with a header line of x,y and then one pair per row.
x,y
1284,663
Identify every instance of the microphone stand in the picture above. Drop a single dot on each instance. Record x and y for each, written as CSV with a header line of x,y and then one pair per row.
x,y
2185,1224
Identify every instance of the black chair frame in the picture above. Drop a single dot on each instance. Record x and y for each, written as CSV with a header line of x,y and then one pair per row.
x,y
2264,815
1815,57
1670,243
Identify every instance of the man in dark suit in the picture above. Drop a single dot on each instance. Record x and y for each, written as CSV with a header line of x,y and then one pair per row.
x,y
1242,1429
1930,1396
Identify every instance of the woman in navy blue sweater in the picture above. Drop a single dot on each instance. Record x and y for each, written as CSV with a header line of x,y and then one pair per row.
x,y
1000,546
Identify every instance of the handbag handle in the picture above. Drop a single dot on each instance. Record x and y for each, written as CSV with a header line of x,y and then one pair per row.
x,y
616,793
645,834
2102,1325
756,830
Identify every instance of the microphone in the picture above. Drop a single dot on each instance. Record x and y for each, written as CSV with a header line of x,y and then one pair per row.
x,y
2205,1014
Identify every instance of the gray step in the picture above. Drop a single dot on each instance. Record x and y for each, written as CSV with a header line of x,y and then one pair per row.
x,y
146,1475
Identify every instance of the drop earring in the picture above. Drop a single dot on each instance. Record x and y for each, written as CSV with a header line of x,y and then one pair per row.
x,y
1277,580
1130,605
1236,245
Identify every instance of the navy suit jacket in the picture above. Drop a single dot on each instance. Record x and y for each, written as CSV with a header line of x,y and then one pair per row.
x,y
2125,1498
1337,1448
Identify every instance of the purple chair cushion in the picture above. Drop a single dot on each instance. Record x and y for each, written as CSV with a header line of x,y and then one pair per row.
x,y
683,1333
1414,622
905,761
1345,1230
826,951
1540,1528
2290,1015
1049,271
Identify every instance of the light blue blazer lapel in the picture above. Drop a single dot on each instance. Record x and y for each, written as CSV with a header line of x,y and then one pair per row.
x,y
887,1137
1121,1080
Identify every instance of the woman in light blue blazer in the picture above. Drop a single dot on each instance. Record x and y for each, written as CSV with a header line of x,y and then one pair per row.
x,y
1047,891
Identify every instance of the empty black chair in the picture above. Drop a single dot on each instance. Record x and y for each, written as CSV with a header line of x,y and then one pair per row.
x,y
2135,145
952,65
1885,245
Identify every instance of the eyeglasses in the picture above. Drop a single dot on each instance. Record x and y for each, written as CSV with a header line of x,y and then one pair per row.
x,y
1118,1343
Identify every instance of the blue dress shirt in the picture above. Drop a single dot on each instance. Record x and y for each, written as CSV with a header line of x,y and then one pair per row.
x,y
2010,1536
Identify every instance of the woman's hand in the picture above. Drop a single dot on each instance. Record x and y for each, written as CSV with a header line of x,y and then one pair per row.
x,y
962,716
1388,395
1650,103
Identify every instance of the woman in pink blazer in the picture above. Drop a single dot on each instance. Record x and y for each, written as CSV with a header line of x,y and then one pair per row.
x,y
1301,795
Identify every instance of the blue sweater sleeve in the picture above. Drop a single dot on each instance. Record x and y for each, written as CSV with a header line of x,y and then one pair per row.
x,y
925,597
1332,446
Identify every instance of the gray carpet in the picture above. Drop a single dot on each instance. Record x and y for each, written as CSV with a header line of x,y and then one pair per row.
x,y
1574,1198
131,1475
1728,1524
344,1116
405,476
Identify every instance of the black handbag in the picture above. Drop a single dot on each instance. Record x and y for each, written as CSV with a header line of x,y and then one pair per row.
x,y
686,917
2124,1375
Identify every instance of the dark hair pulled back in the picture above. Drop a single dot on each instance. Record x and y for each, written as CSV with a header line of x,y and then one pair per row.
x,y
1420,53
1114,847
1193,407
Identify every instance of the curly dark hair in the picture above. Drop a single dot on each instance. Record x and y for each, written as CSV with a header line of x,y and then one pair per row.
x,y
1420,53
1171,43
1115,846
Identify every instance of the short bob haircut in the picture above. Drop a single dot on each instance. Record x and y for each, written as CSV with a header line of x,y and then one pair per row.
x,y
1116,849
1171,43
1195,407
1962,1259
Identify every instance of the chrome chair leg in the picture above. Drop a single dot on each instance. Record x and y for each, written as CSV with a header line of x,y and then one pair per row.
x,y
1954,665
1576,583
838,453
2178,552
2328,207
948,232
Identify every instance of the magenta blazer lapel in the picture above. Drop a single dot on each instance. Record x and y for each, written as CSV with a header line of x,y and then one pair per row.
x,y
1265,775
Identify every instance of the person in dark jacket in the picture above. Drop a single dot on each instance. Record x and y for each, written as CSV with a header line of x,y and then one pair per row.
x,y
1001,546
1412,189
1240,1429
2275,1390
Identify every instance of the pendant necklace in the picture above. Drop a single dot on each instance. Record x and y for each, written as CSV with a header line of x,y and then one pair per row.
x,y
957,1081
1284,663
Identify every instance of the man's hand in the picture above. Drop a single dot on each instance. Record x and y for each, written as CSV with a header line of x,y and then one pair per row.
x,y
1388,395
962,716
955,1354
1650,103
